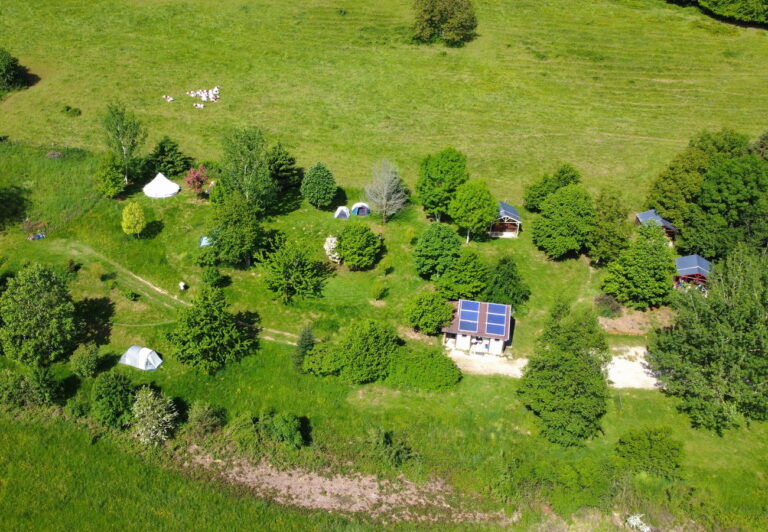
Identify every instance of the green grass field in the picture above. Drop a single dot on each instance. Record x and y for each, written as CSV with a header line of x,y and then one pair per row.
x,y
615,87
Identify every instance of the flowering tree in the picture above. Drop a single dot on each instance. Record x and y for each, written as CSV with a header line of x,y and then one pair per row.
x,y
196,179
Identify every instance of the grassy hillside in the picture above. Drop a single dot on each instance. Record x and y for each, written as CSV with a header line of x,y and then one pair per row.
x,y
614,86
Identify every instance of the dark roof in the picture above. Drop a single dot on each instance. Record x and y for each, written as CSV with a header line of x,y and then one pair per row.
x,y
652,216
508,211
692,265
486,320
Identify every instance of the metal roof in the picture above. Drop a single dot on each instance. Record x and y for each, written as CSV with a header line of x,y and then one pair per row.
x,y
508,211
652,216
486,320
692,265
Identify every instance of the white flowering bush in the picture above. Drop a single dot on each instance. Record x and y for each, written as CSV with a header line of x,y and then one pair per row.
x,y
330,247
154,416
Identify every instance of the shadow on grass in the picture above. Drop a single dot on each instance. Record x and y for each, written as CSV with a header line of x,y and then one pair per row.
x,y
289,201
95,315
14,202
305,428
67,389
152,229
107,362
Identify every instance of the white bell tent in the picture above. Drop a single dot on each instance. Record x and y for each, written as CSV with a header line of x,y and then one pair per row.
x,y
142,358
161,187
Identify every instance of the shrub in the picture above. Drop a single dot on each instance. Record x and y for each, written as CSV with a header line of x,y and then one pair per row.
x,y
212,276
110,181
196,179
607,306
652,451
14,389
367,350
358,246
112,399
436,250
71,111
85,360
281,428
204,418
324,359
388,448
133,221
318,186
78,407
129,294
11,72
428,312
291,273
154,416
304,346
465,279
424,369
43,388
536,193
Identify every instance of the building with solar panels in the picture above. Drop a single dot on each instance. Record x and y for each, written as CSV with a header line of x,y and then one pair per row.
x,y
477,327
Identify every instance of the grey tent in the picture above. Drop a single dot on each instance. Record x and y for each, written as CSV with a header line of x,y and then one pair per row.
x,y
342,213
142,358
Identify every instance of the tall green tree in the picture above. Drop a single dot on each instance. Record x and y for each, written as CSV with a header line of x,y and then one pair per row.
x,y
473,207
439,177
236,230
133,220
37,317
566,223
358,246
208,337
428,312
465,278
505,284
564,384
124,135
451,21
610,235
291,272
537,192
245,168
304,346
112,398
715,356
318,186
167,157
110,181
368,348
436,249
11,72
283,169
642,275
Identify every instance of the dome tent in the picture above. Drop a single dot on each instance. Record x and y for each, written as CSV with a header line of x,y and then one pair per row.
x,y
361,209
161,187
342,213
142,358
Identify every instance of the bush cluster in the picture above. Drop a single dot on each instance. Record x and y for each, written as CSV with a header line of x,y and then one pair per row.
x,y
424,369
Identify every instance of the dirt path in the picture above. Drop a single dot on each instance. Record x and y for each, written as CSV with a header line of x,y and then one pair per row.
x,y
489,364
392,501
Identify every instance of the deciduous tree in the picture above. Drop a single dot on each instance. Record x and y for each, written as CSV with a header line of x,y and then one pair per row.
x,y
154,416
642,275
245,168
611,232
110,180
124,135
11,72
466,278
715,356
452,21
439,177
436,249
37,316
473,207
133,221
505,284
536,193
428,312
112,398
290,272
566,223
386,192
368,348
236,230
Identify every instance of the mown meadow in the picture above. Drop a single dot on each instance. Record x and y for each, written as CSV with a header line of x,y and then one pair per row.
x,y
614,87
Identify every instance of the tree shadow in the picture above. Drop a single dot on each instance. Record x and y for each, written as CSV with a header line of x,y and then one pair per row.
x,y
339,199
68,389
152,229
14,202
250,322
107,362
95,315
289,201
29,79
305,428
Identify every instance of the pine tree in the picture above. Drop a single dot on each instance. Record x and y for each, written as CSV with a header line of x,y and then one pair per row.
x,y
319,187
168,159
304,345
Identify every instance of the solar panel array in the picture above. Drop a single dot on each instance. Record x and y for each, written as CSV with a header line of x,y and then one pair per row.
x,y
469,316
496,319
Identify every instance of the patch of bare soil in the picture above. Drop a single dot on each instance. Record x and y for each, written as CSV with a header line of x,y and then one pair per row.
x,y
392,501
413,335
635,322
488,364
629,369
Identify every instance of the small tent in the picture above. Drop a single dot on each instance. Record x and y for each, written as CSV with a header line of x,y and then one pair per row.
x,y
361,209
161,187
341,213
142,358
